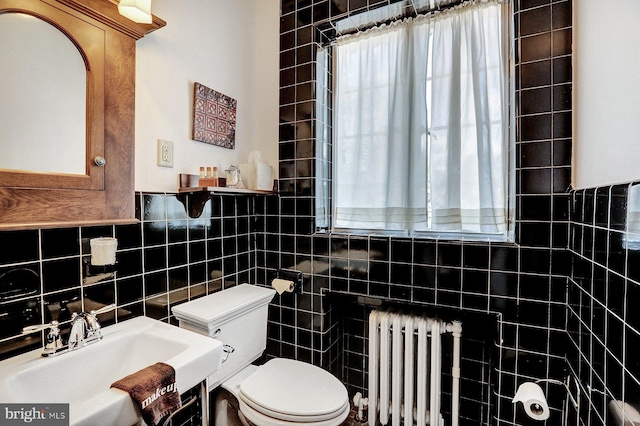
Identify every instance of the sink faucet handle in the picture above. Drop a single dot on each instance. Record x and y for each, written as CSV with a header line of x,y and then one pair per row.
x,y
40,327
93,325
103,310
53,342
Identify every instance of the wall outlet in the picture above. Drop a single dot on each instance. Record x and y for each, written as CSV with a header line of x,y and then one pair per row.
x,y
165,153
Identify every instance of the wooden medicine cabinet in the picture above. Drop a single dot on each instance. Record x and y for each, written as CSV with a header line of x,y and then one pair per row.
x,y
67,125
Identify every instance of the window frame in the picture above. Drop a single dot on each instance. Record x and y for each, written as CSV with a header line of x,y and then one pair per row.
x,y
325,223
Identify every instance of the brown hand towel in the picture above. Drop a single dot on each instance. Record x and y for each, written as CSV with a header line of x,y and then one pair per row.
x,y
154,390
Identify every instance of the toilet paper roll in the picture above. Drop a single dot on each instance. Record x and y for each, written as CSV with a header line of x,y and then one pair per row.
x,y
282,285
533,399
623,413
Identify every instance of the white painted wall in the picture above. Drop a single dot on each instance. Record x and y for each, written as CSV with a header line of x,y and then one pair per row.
x,y
228,45
606,92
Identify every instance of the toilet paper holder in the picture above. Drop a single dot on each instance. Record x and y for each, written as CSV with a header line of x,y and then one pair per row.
x,y
531,411
291,275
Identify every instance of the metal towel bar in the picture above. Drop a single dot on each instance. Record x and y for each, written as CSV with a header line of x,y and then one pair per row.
x,y
167,422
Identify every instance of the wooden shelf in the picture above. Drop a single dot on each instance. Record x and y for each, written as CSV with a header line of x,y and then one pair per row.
x,y
200,195
189,184
225,190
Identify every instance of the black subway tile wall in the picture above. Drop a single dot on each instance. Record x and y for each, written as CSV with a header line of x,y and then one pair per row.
x,y
602,325
166,259
523,284
559,302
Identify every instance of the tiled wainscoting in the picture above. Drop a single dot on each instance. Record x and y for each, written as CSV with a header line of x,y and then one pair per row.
x,y
492,279
166,259
170,257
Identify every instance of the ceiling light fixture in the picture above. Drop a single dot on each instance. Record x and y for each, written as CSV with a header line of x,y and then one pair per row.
x,y
136,10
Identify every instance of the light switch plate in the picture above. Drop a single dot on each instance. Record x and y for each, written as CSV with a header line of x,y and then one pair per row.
x,y
165,153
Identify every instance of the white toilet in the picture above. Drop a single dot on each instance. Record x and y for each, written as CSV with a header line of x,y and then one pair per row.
x,y
282,392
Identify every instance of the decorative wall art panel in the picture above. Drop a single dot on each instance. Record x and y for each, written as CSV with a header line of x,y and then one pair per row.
x,y
214,117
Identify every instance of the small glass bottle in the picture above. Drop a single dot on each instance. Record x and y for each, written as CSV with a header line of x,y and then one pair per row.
x,y
208,172
202,172
215,177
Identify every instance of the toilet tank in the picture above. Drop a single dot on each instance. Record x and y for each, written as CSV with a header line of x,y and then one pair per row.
x,y
236,317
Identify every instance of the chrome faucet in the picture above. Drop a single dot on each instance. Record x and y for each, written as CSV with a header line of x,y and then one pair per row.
x,y
78,333
85,329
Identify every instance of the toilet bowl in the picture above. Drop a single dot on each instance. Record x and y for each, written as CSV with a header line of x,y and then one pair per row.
x,y
286,392
282,392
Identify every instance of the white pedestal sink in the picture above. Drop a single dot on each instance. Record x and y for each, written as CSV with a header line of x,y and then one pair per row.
x,y
83,377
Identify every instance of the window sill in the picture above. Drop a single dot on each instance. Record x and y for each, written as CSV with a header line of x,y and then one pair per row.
x,y
423,235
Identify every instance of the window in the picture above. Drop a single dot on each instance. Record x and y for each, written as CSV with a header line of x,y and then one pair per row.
x,y
422,139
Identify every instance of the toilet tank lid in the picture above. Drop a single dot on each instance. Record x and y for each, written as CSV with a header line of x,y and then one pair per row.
x,y
223,305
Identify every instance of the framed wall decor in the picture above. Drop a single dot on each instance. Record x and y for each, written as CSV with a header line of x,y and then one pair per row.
x,y
214,117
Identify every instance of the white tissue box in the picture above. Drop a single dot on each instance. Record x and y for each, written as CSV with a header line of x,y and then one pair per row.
x,y
260,177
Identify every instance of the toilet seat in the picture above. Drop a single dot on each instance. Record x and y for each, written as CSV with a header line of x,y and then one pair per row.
x,y
286,392
258,418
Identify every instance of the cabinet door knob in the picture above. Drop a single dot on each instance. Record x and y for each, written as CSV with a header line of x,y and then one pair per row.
x,y
100,161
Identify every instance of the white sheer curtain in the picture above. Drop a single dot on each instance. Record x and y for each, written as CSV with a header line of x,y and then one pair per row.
x,y
380,129
468,158
445,73
322,139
